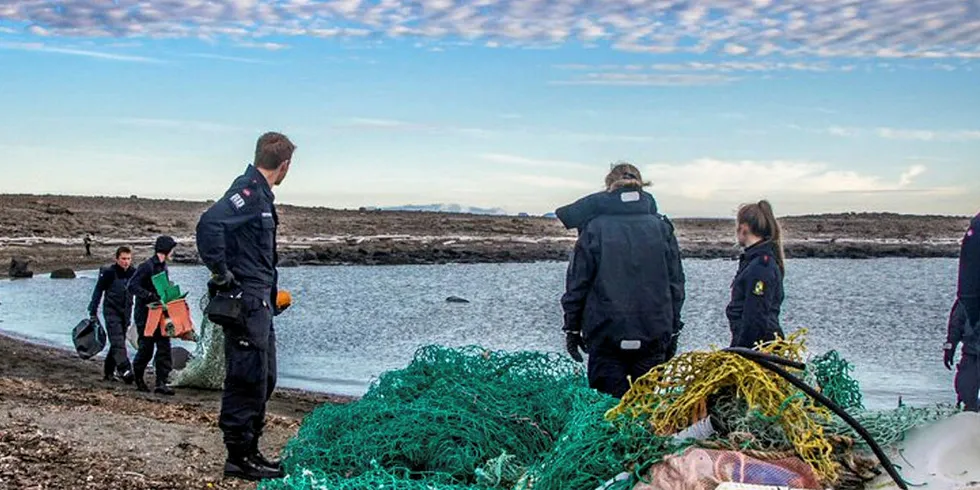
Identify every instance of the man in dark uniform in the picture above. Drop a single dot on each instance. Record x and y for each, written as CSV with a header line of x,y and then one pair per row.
x,y
236,239
964,320
624,285
117,309
141,286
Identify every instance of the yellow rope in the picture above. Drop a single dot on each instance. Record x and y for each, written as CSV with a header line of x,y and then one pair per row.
x,y
673,395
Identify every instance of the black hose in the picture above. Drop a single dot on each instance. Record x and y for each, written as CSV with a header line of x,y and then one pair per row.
x,y
882,458
754,355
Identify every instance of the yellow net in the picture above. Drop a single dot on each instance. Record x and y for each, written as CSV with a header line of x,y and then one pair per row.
x,y
674,395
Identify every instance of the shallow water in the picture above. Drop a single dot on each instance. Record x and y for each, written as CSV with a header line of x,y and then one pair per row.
x,y
349,324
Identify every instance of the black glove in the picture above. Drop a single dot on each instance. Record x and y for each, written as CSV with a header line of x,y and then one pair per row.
x,y
949,354
224,281
574,342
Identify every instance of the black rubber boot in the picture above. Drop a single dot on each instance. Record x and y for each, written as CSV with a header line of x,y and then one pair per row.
x,y
243,466
164,390
261,459
128,377
140,384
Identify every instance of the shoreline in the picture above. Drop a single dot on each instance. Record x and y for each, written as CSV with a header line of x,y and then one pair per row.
x,y
47,231
62,425
46,257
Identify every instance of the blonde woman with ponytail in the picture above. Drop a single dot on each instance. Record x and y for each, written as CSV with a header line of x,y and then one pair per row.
x,y
757,291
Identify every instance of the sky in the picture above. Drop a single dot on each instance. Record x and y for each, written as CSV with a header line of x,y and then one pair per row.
x,y
817,105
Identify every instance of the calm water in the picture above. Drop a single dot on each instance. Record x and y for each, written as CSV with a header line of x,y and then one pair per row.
x,y
348,324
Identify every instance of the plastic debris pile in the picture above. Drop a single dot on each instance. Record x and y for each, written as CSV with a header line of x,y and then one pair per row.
x,y
469,418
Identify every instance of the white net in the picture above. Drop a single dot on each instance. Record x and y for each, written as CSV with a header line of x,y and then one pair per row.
x,y
207,368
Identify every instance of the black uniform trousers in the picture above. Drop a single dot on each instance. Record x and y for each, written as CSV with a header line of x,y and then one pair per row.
x,y
967,382
250,374
117,360
608,370
162,362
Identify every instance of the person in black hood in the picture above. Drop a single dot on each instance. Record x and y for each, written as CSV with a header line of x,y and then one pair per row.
x,y
757,291
117,309
141,286
624,285
964,320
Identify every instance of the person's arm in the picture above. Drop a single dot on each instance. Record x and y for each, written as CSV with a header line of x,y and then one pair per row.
x,y
968,283
225,215
135,284
101,285
758,289
578,282
675,270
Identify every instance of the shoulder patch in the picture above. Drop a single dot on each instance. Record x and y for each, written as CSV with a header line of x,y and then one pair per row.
x,y
247,192
237,200
632,196
969,233
759,289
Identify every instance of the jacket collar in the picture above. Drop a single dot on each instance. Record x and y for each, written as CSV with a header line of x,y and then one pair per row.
x,y
253,175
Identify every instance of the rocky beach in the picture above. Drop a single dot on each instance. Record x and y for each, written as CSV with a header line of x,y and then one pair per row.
x,y
47,233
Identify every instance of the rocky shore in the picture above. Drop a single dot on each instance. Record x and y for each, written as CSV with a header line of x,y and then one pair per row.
x,y
48,233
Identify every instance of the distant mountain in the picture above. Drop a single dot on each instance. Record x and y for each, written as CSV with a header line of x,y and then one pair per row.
x,y
447,208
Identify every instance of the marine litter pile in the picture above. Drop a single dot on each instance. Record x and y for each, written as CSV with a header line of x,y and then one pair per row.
x,y
470,418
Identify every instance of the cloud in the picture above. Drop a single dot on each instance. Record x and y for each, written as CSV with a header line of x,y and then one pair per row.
x,y
265,46
646,79
219,57
906,179
692,72
180,124
894,29
928,135
532,162
708,178
44,48
407,126
548,182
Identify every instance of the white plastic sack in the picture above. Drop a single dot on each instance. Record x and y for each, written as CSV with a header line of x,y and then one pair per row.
x,y
941,456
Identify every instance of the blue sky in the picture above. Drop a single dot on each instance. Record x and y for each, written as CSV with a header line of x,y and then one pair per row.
x,y
818,106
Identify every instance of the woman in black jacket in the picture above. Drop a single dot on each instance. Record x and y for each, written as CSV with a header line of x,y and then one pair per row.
x,y
624,288
757,291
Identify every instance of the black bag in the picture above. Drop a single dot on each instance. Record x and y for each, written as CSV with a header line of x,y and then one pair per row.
x,y
89,337
226,309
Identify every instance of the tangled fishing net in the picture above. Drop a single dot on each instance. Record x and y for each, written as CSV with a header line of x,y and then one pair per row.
x,y
206,369
469,418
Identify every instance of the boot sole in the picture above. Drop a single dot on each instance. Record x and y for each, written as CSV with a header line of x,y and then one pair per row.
x,y
241,475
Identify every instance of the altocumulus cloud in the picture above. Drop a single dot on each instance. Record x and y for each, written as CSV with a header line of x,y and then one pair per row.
x,y
912,28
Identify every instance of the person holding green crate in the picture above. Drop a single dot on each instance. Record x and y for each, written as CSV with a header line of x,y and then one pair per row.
x,y
142,286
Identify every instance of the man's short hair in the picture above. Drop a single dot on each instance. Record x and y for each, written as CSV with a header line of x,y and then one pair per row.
x,y
272,149
123,250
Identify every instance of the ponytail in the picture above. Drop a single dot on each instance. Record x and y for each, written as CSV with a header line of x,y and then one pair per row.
x,y
624,175
762,222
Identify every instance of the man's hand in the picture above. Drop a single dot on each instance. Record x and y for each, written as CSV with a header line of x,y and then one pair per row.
x,y
223,281
949,355
573,343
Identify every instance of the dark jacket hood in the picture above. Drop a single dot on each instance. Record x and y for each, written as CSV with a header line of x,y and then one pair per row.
x,y
622,201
